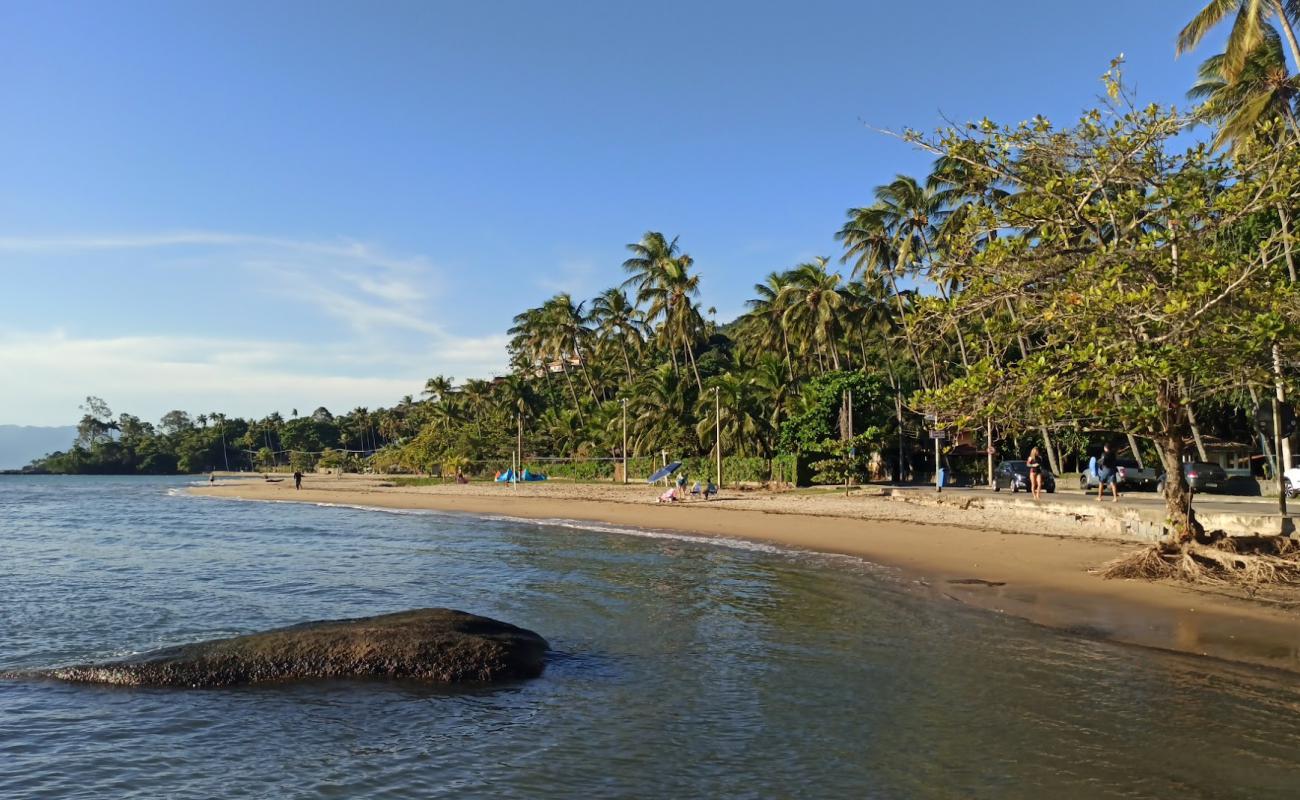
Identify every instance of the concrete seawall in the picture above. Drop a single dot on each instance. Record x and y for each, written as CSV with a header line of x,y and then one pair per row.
x,y
1089,519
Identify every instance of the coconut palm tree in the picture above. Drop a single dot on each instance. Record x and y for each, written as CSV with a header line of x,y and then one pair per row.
x,y
871,246
742,419
566,331
813,307
617,320
437,387
771,383
658,409
1249,24
1264,91
764,323
915,214
662,277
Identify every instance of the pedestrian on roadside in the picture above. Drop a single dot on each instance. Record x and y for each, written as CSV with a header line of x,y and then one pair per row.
x,y
1035,464
1108,473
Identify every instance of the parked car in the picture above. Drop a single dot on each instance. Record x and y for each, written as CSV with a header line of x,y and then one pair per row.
x,y
1291,481
1014,475
1201,477
1131,476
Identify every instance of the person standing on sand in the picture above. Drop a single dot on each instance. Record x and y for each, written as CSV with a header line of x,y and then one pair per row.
x,y
1035,464
297,480
1108,473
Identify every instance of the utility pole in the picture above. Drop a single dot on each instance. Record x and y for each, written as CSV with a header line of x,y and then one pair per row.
x,y
519,439
717,434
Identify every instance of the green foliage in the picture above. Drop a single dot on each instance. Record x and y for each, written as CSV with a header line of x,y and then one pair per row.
x,y
818,419
845,460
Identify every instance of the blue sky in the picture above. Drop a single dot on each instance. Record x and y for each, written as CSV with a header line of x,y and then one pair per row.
x,y
260,206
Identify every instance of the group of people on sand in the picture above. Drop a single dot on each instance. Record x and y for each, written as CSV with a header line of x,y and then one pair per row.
x,y
677,493
1106,466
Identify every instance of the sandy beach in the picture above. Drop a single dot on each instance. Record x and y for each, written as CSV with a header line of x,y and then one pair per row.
x,y
955,555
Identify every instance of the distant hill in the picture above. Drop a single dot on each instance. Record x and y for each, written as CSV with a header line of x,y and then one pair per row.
x,y
19,444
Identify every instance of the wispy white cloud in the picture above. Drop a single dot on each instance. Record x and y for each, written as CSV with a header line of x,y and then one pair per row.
x,y
348,249
149,375
385,338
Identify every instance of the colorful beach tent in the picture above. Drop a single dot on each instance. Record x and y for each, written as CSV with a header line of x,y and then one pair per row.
x,y
506,477
532,476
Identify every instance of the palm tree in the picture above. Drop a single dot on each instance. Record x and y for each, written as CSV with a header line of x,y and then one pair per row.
x,y
813,305
664,284
869,243
765,320
742,420
563,331
771,382
658,409
1248,29
617,320
475,398
1262,92
437,387
915,214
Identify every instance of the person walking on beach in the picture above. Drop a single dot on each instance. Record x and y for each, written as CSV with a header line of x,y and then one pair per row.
x,y
1108,473
1035,464
297,480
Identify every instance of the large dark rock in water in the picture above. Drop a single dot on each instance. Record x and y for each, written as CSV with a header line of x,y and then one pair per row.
x,y
432,644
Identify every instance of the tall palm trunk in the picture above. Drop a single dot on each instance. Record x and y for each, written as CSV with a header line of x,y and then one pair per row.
x,y
907,331
690,354
627,362
577,406
1288,31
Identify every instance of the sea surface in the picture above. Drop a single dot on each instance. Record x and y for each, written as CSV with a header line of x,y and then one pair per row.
x,y
682,668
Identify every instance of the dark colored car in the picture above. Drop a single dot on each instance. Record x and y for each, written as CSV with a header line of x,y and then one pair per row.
x,y
1014,475
1201,477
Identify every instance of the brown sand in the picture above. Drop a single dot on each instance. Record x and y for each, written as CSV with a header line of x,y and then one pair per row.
x,y
1043,579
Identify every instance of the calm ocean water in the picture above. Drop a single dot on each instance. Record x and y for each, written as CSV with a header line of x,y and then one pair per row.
x,y
681,669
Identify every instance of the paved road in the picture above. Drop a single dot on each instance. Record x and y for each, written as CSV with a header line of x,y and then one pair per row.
x,y
1210,503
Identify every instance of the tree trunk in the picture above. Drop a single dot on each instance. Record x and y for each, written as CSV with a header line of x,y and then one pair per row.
x,y
1191,421
690,352
1183,526
907,331
586,376
1288,31
627,362
1133,446
1052,460
577,406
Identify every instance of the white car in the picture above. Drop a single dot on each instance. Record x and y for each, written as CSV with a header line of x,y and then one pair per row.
x,y
1291,481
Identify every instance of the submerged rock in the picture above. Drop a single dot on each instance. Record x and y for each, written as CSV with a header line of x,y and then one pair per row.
x,y
432,644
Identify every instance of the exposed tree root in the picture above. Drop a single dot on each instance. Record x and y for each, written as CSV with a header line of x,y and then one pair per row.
x,y
1248,563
